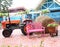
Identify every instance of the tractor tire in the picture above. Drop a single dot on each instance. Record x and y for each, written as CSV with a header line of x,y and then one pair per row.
x,y
6,32
56,32
23,30
24,33
51,34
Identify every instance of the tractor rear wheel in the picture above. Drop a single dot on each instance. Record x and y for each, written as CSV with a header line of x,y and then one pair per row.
x,y
7,32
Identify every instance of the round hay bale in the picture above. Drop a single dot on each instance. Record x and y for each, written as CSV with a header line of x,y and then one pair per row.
x,y
45,20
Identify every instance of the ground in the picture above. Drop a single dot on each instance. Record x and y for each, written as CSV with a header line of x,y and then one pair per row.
x,y
17,39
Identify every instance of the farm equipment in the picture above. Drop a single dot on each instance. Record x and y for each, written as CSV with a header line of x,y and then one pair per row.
x,y
15,24
10,25
35,27
52,27
23,26
45,20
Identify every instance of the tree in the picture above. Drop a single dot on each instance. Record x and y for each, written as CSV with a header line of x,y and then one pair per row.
x,y
4,4
45,11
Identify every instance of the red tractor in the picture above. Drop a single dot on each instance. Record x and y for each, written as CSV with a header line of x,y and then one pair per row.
x,y
9,26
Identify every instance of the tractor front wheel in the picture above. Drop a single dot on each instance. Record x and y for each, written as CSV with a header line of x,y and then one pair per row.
x,y
24,30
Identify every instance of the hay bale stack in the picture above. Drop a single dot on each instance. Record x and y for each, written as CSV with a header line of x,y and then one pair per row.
x,y
45,20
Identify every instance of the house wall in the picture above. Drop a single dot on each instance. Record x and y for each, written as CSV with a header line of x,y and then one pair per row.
x,y
52,6
1,19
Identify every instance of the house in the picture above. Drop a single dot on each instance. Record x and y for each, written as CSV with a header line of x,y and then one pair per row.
x,y
48,4
53,6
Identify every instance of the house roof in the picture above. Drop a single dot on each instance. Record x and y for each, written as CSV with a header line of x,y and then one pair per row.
x,y
40,4
57,1
44,2
17,9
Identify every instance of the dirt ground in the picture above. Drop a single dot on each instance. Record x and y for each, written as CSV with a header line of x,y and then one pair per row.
x,y
17,39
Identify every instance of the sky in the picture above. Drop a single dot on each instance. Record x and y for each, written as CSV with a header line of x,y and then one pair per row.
x,y
58,0
28,4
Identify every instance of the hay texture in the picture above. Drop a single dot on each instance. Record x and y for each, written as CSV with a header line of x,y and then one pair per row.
x,y
45,20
